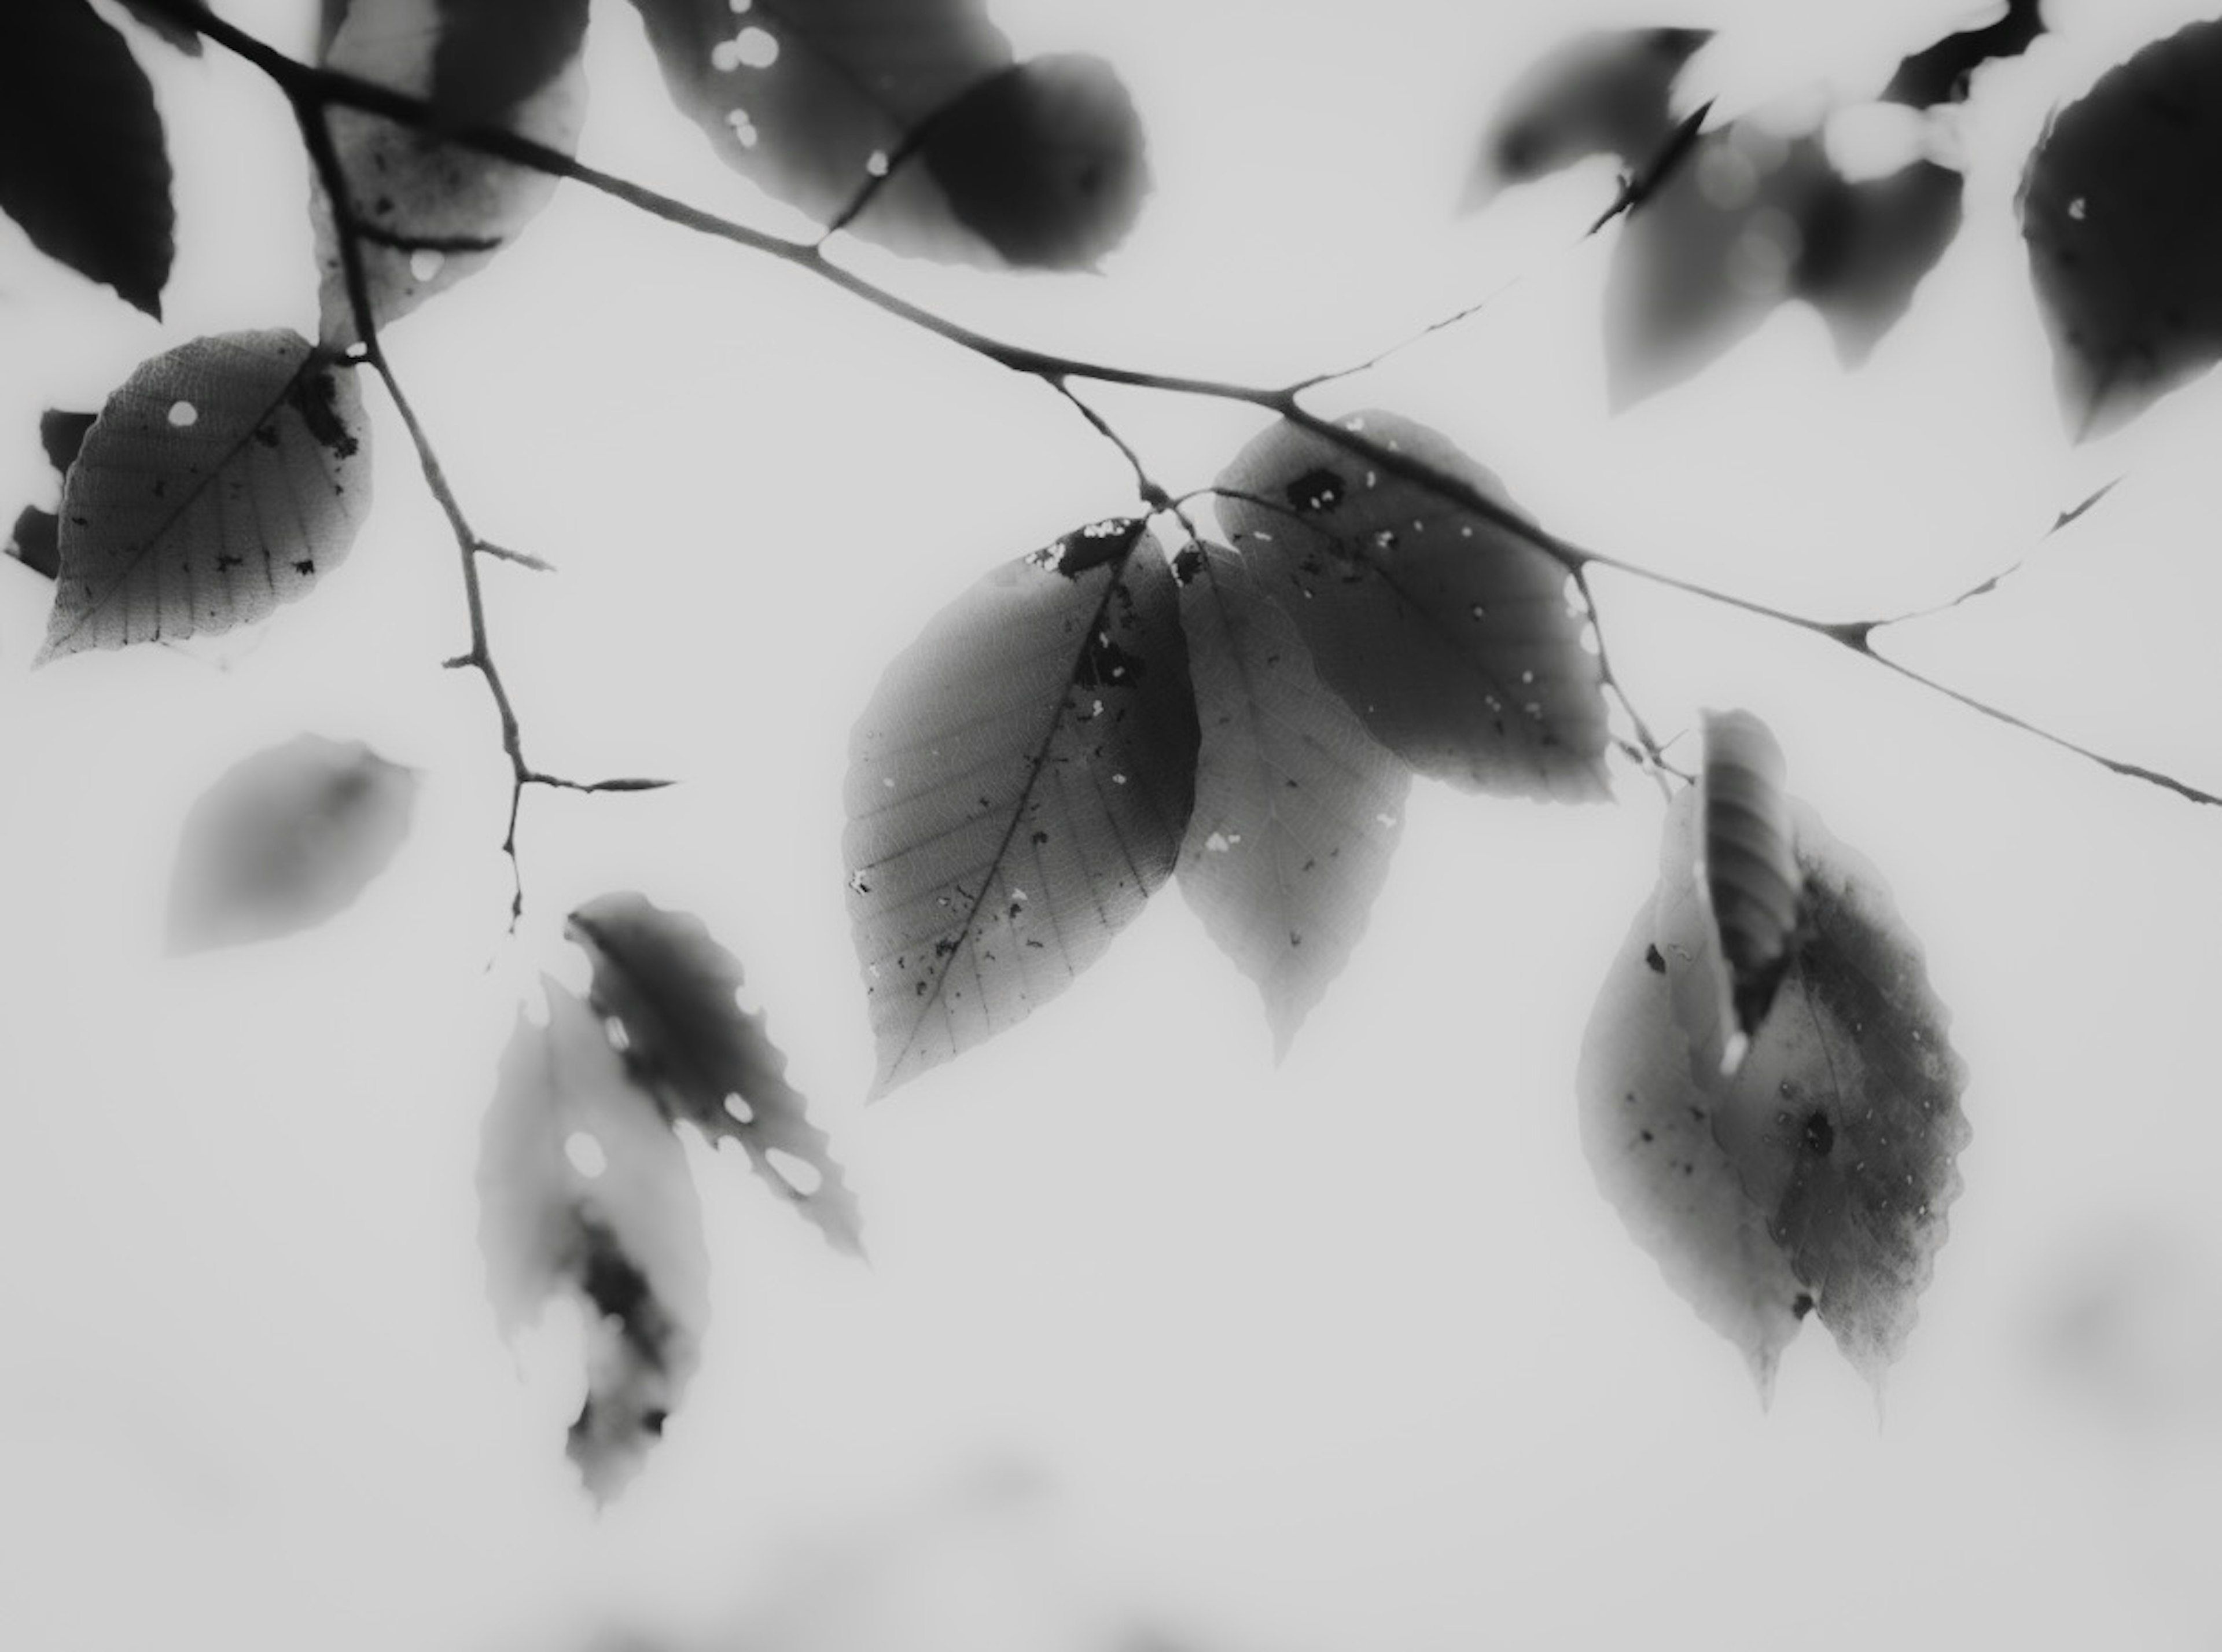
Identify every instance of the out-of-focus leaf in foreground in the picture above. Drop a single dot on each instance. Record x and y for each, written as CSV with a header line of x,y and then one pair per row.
x,y
1606,92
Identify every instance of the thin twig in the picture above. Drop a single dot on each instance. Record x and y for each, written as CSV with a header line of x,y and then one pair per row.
x,y
1984,587
1652,754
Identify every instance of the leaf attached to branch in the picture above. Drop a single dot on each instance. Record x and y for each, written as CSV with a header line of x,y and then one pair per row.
x,y
225,477
663,977
1453,637
1017,789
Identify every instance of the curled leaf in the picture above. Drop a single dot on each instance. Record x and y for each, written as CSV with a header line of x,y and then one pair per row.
x,y
1748,879
1017,789
663,977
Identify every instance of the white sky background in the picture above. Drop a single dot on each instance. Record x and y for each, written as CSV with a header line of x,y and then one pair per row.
x,y
1346,1354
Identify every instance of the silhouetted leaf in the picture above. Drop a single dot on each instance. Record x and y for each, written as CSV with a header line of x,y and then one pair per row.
x,y
186,39
225,477
33,541
582,1190
430,213
1018,787
1297,809
663,977
914,108
2122,209
1842,1125
1866,245
286,839
83,165
62,434
1457,642
1941,73
1602,93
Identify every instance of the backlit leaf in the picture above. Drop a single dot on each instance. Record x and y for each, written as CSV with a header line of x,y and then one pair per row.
x,y
1605,92
1456,641
2122,209
1866,246
583,1190
35,542
83,169
1298,809
225,477
286,839
1018,787
1941,73
430,213
674,991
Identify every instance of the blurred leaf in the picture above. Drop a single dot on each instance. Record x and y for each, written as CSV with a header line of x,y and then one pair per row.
x,y
1017,789
1457,642
225,477
906,122
1603,92
1941,73
1297,809
2122,209
284,840
83,165
1868,245
180,35
583,1189
430,213
62,434
33,542
663,977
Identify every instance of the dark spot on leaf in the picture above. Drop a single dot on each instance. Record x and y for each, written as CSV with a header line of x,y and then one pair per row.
x,y
1654,960
305,566
1188,564
1802,1306
1820,1136
1316,490
1039,839
314,395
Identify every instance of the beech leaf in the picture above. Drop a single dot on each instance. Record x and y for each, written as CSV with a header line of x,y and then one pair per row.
x,y
1605,92
225,477
285,839
1017,789
427,212
583,1189
1456,640
908,122
2122,209
84,167
1298,809
673,988
1866,246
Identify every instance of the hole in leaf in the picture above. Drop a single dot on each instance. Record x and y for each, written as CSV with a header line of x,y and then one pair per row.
x,y
184,414
800,1174
586,1154
742,1112
426,263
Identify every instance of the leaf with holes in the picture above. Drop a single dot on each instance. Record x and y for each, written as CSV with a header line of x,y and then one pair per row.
x,y
427,212
1017,789
84,167
286,839
1605,92
1455,639
583,1190
666,981
225,477
1748,885
1298,809
2122,209
908,122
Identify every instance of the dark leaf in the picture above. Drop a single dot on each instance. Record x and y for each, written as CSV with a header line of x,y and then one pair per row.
x,y
1941,73
83,165
1603,92
430,213
182,36
1868,245
2122,209
225,477
1456,640
1018,787
662,977
906,122
284,840
33,541
62,434
1298,809
584,1191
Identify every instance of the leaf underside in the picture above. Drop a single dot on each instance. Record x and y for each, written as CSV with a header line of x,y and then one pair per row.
x,y
225,477
673,988
626,1242
1298,809
1018,787
2122,209
1456,641
84,166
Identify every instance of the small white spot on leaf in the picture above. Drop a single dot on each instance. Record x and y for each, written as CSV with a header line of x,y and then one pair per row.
x,y
184,414
797,1172
586,1154
426,263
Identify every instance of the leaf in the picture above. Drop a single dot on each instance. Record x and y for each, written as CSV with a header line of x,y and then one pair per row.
x,y
1456,640
183,37
906,122
1017,789
1297,809
663,977
62,434
1866,246
1606,92
1749,885
33,541
286,839
613,1219
1941,73
1842,1125
430,213
2122,209
225,477
83,165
